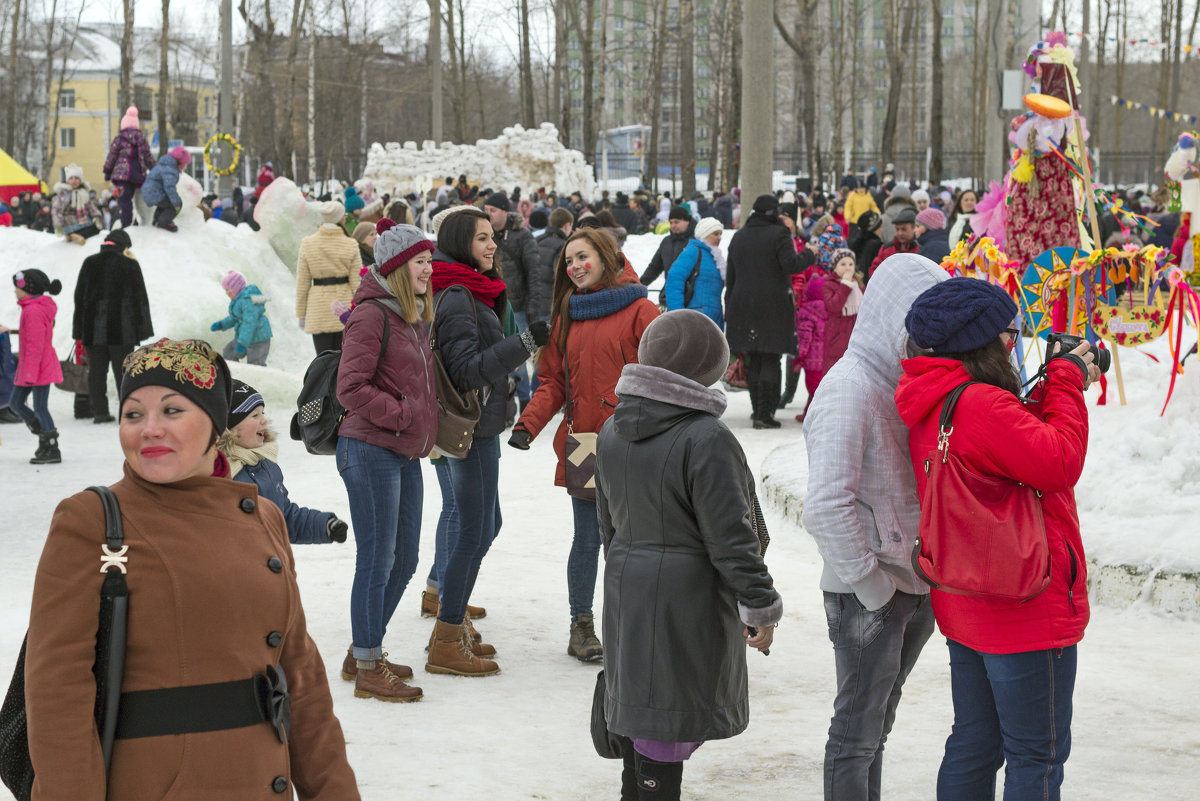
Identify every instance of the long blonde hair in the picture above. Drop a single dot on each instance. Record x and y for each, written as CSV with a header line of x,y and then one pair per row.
x,y
399,282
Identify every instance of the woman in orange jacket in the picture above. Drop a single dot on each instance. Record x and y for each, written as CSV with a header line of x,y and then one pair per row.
x,y
596,322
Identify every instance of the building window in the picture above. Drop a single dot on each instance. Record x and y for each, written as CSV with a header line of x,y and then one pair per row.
x,y
208,107
573,63
619,24
66,99
66,138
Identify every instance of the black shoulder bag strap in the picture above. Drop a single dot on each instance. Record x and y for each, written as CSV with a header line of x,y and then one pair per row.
x,y
112,634
433,342
689,286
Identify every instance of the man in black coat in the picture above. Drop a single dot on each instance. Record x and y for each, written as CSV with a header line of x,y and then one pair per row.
x,y
549,246
672,245
629,218
759,308
723,209
519,263
112,315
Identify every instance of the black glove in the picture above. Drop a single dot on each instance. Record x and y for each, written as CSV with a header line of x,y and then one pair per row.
x,y
520,438
540,331
336,529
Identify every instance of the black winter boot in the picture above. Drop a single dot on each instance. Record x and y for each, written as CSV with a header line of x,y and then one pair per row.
x,y
34,427
658,781
47,452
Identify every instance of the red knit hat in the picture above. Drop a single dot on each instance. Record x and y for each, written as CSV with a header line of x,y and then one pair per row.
x,y
397,244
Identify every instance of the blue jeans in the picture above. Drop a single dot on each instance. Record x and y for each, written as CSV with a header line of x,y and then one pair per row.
x,y
1008,708
584,560
477,495
873,653
40,413
447,527
386,492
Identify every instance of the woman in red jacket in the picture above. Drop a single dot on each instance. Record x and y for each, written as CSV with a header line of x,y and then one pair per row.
x,y
391,423
1012,665
596,322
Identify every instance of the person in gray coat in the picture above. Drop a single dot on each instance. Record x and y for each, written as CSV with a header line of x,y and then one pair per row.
x,y
682,561
863,511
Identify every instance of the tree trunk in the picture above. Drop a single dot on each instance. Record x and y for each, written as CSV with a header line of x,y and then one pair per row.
x,y
261,36
1176,57
600,78
802,45
897,16
655,81
562,92
461,40
164,82
460,122
687,95
1122,34
126,90
1096,111
585,29
312,95
10,129
286,136
527,115
936,89
979,92
51,151
734,115
433,57
1164,74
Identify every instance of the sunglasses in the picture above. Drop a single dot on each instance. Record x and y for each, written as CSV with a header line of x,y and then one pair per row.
x,y
1012,332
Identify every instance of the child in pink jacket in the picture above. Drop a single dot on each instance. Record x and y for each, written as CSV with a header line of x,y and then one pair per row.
x,y
37,366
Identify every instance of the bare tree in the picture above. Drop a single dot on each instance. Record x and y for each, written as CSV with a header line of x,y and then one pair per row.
x,y
1164,76
657,46
562,93
433,55
261,36
312,93
126,90
898,24
67,48
11,121
584,22
527,116
804,44
1096,110
163,77
687,95
285,138
937,94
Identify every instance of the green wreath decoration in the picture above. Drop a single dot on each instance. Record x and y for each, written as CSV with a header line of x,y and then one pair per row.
x,y
237,153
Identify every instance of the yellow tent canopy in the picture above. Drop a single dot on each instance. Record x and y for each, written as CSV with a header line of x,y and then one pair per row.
x,y
15,179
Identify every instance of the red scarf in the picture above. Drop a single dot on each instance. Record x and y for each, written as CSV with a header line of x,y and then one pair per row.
x,y
485,289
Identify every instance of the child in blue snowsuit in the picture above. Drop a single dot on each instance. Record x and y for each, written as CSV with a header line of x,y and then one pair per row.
x,y
248,318
249,445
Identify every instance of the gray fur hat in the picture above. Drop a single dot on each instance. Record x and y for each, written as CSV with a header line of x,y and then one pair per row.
x,y
397,244
687,343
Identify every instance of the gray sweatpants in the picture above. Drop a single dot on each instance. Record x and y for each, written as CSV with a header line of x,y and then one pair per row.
x,y
255,354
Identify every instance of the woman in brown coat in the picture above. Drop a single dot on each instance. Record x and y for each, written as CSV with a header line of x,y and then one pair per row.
x,y
213,600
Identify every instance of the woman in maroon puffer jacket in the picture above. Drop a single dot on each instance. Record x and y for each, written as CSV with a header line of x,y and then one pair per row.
x,y
1012,665
390,424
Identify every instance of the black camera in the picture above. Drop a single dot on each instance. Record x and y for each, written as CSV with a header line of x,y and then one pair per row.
x,y
1069,342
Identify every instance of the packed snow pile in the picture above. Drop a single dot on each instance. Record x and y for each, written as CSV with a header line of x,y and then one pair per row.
x,y
285,218
517,157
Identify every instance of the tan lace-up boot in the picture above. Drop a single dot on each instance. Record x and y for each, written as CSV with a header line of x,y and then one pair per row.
x,y
448,653
380,682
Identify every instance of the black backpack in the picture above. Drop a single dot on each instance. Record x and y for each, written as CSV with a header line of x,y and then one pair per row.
x,y
318,412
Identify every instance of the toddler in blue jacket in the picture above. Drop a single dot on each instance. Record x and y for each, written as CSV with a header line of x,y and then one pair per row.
x,y
248,319
249,445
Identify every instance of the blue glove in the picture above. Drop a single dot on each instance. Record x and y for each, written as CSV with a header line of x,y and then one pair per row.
x,y
215,326
239,350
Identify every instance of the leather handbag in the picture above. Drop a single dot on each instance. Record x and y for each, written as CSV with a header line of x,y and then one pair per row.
x,y
980,536
458,412
16,768
75,376
579,464
607,744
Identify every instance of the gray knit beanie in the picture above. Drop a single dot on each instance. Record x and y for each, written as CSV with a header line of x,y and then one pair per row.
x,y
687,343
397,244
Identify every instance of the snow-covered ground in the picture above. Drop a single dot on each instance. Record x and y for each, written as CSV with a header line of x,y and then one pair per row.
x,y
523,734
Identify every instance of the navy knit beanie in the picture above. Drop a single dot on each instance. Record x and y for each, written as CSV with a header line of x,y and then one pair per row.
x,y
959,315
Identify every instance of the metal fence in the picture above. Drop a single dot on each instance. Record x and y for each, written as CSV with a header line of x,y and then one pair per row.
x,y
627,171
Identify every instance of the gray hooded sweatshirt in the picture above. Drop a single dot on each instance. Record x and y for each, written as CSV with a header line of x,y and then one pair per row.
x,y
861,506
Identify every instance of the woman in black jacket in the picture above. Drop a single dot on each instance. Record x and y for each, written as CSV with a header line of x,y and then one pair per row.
x,y
112,315
685,585
470,304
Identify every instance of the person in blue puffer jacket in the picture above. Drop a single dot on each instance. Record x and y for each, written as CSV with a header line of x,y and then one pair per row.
x,y
159,190
248,319
250,446
708,287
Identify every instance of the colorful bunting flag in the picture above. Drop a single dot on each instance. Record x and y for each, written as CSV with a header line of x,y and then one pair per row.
x,y
1155,111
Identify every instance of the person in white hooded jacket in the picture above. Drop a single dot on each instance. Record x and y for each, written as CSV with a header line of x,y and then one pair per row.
x,y
862,509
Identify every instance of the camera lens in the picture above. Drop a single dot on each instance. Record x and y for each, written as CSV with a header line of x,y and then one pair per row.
x,y
1103,359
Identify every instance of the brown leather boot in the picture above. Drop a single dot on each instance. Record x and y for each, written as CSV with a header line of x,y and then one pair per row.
x,y
430,607
584,644
475,640
381,683
350,667
448,653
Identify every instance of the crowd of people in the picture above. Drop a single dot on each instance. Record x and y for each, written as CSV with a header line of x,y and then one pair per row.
x,y
529,304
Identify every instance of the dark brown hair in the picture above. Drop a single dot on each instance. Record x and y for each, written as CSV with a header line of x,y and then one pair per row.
x,y
991,365
457,234
610,259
